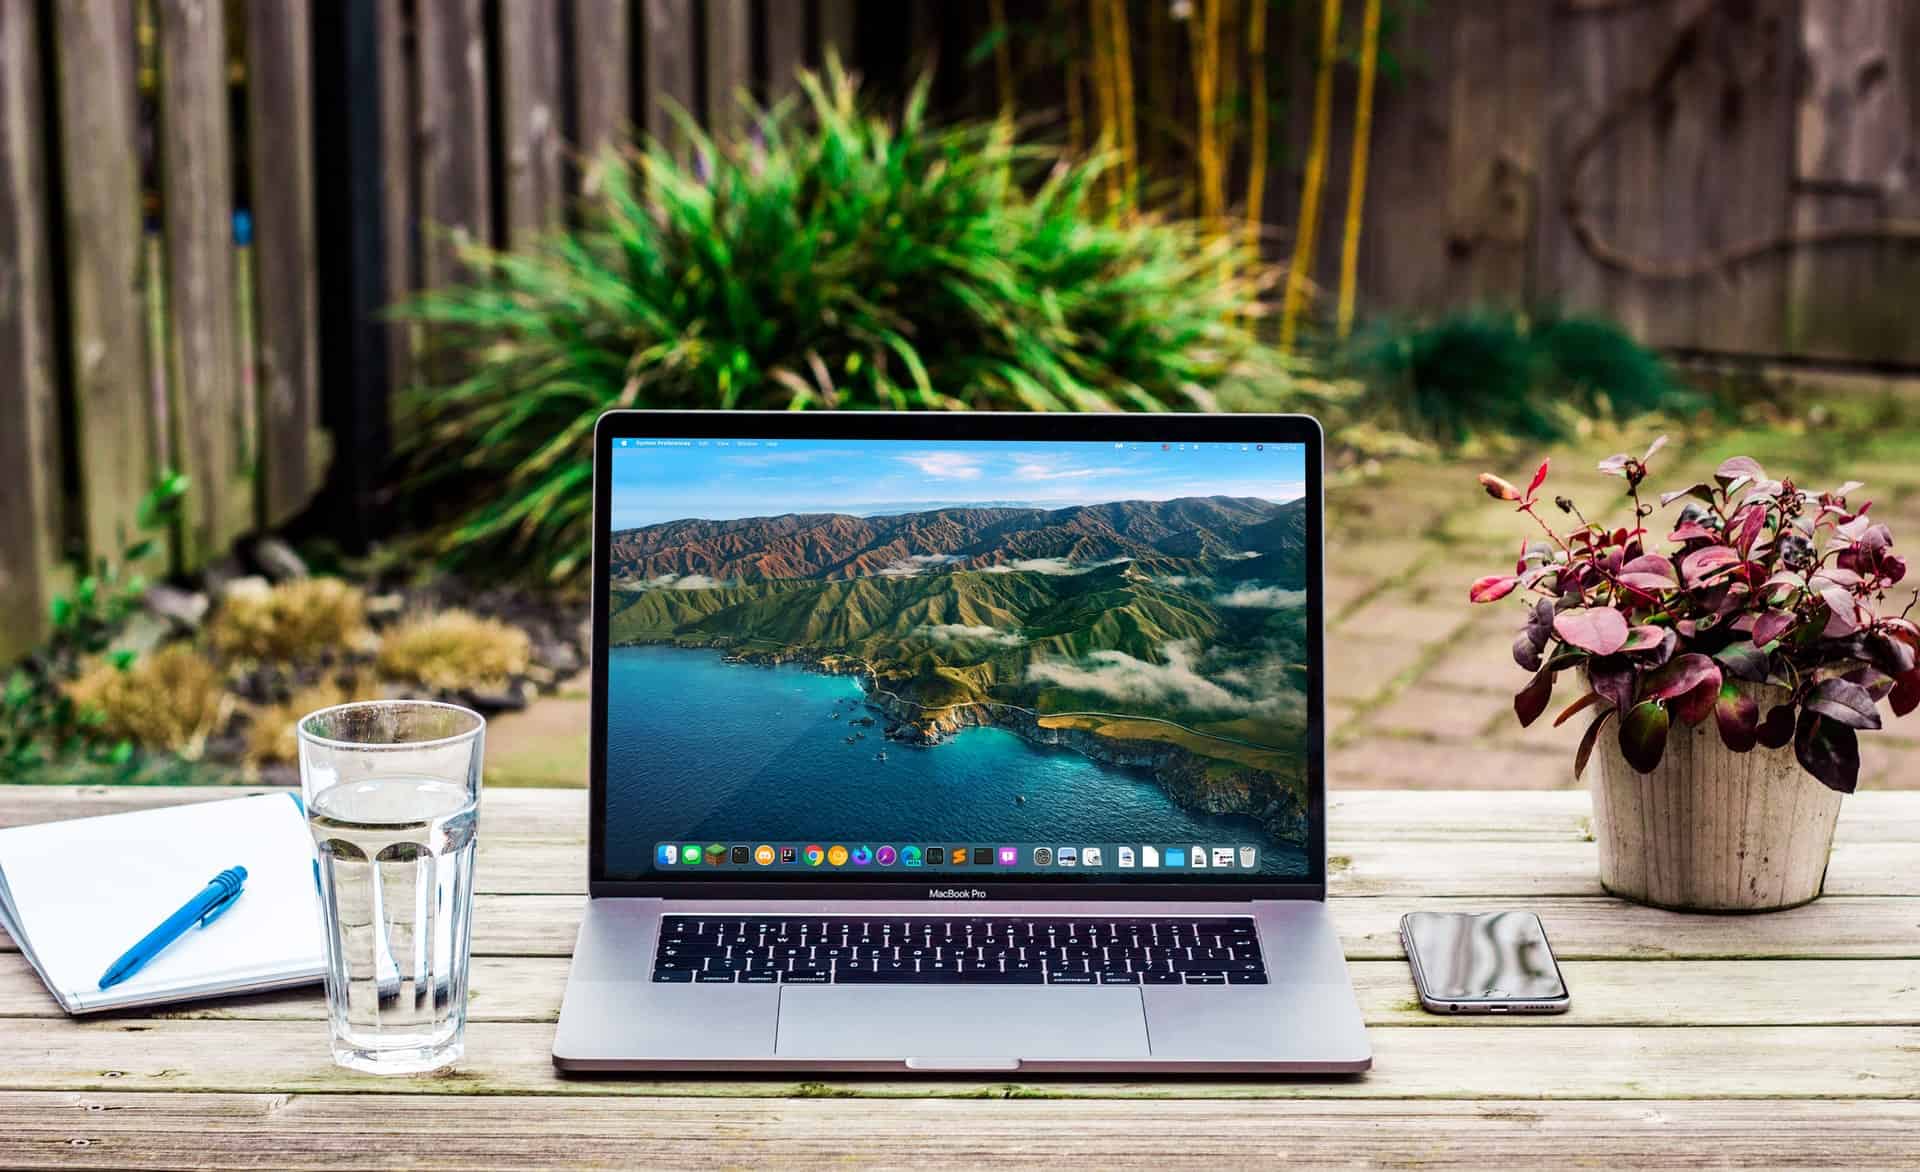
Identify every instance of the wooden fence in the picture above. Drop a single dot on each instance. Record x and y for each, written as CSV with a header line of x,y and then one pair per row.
x,y
1740,177
143,325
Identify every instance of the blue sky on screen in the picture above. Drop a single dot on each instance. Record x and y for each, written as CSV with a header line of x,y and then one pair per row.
x,y
671,480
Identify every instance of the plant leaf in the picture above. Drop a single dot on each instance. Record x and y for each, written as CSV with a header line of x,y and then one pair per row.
x,y
1829,750
1587,742
1773,624
1776,731
1692,531
1599,629
1578,706
1530,701
1614,679
1743,661
1703,492
1695,706
1643,735
1492,588
1497,488
1737,468
1680,675
1659,441
1845,702
1539,478
1644,638
1701,562
1738,716
1905,696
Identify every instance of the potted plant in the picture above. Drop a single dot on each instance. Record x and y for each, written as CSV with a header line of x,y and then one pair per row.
x,y
1725,667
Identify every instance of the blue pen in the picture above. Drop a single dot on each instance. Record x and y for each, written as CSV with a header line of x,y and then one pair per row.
x,y
205,908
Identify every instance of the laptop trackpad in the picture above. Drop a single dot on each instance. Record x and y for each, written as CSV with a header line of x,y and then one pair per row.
x,y
938,1022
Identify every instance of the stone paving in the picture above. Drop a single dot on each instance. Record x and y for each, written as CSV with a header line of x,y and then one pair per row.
x,y
1419,681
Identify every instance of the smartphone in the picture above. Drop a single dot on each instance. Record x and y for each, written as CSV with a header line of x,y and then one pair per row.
x,y
1490,962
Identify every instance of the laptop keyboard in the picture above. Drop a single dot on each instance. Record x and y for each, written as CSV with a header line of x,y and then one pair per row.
x,y
830,950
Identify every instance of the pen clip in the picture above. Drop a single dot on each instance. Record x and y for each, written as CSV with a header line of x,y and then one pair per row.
x,y
217,910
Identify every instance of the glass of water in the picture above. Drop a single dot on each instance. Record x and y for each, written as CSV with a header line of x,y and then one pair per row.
x,y
392,790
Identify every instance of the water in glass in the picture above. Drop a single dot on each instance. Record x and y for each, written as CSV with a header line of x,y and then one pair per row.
x,y
396,874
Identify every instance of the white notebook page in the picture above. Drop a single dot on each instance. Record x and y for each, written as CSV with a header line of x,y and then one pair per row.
x,y
85,891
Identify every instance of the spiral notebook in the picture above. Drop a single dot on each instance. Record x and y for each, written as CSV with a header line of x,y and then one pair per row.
x,y
75,895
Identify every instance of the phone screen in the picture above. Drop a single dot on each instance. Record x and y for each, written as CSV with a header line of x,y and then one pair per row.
x,y
1495,956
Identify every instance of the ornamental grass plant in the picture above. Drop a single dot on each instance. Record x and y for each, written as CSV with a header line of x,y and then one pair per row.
x,y
838,258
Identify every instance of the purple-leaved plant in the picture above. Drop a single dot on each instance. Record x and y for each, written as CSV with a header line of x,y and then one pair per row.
x,y
1765,609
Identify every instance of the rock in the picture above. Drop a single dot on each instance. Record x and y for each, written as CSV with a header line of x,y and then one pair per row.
x,y
386,606
557,656
511,698
185,609
277,560
142,634
250,586
217,574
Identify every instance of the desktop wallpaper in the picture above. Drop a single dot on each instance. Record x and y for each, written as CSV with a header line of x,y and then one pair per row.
x,y
895,645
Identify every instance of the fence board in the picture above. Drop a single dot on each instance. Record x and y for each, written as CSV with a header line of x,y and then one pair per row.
x,y
196,176
30,507
668,68
837,29
280,108
107,328
530,114
602,82
1859,132
728,65
783,37
455,195
399,163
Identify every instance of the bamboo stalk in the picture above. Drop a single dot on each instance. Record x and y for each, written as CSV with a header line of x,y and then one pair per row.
x,y
1357,176
1002,57
1301,269
1103,92
1076,100
1123,77
1257,122
1206,80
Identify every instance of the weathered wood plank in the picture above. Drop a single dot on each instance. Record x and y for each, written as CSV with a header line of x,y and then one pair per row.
x,y
784,43
1605,993
838,29
31,521
119,430
1858,129
280,107
1486,1062
214,442
668,69
400,166
456,200
602,82
728,65
530,108
375,1131
1884,816
1581,928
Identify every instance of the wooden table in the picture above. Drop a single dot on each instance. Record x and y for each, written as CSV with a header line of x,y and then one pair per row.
x,y
1785,1039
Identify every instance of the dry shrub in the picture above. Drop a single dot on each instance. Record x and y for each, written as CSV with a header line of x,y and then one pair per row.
x,y
270,738
291,621
169,700
454,651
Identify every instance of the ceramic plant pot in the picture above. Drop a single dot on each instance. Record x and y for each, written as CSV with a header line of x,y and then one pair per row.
x,y
1709,829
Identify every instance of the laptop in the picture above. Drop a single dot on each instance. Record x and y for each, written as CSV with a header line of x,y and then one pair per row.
x,y
958,743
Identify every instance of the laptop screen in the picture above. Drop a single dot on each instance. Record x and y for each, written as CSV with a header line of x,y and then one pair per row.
x,y
834,659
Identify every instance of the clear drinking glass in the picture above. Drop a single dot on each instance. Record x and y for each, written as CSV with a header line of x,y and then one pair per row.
x,y
392,791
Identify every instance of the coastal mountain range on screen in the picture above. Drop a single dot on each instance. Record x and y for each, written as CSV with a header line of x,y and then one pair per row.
x,y
1165,635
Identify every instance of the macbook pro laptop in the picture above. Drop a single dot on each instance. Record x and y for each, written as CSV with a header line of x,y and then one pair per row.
x,y
957,743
